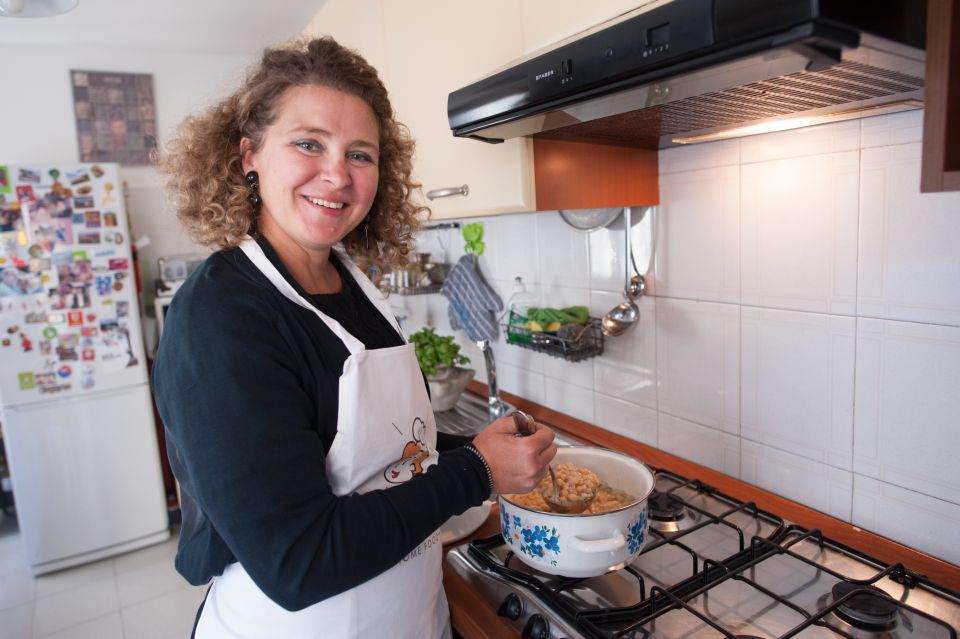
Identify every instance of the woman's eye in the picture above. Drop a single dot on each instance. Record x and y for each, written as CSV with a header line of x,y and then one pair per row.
x,y
360,156
309,145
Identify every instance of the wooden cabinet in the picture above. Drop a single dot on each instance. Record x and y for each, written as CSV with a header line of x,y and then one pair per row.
x,y
435,47
941,119
548,21
424,49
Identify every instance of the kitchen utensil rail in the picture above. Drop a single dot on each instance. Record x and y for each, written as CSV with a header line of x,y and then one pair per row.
x,y
588,344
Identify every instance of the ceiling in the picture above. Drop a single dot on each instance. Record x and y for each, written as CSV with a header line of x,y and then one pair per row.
x,y
236,27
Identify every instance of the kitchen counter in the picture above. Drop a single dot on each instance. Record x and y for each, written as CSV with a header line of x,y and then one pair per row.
x,y
474,618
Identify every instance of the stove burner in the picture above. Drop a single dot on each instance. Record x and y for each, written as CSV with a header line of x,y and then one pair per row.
x,y
665,510
665,506
874,610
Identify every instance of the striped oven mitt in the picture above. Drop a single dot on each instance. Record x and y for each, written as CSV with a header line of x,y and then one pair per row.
x,y
473,304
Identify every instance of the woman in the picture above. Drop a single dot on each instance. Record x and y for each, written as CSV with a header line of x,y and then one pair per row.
x,y
298,422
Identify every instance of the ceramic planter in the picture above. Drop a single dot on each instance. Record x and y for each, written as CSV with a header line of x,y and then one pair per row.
x,y
447,385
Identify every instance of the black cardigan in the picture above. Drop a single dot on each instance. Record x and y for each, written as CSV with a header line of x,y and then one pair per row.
x,y
246,385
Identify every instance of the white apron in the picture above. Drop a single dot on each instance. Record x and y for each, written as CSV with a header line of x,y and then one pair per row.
x,y
378,444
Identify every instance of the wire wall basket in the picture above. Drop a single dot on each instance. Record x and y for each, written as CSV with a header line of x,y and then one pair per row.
x,y
572,347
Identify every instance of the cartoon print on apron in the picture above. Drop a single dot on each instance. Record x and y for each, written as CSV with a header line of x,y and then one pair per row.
x,y
376,446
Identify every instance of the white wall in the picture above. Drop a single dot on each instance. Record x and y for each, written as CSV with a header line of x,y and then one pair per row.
x,y
803,332
37,122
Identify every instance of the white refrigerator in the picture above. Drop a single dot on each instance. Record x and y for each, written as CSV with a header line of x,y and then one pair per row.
x,y
75,402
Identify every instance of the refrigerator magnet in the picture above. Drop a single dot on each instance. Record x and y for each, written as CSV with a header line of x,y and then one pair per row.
x,y
50,332
28,175
4,179
96,171
87,383
27,381
25,343
88,354
64,371
109,218
84,202
25,193
5,341
88,237
74,318
46,347
118,264
92,317
118,286
89,331
91,219
78,177
104,283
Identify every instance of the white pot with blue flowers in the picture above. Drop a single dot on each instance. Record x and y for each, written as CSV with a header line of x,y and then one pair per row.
x,y
585,544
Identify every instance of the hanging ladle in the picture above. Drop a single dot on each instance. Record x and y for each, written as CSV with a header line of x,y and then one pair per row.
x,y
625,314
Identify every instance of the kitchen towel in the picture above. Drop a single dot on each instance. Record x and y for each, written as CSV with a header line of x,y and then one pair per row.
x,y
473,304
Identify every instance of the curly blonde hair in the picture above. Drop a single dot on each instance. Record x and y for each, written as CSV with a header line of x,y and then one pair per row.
x,y
204,168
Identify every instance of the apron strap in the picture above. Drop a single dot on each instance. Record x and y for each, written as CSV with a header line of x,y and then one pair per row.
x,y
253,251
374,294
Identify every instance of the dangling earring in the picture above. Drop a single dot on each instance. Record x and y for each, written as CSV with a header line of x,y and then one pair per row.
x,y
366,238
253,181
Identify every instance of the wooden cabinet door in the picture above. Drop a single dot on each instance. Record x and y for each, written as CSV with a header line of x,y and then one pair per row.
x,y
546,22
434,47
941,118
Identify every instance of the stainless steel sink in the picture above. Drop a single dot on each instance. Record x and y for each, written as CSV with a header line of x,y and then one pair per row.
x,y
470,416
467,417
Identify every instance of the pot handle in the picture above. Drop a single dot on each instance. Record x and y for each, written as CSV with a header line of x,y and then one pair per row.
x,y
610,544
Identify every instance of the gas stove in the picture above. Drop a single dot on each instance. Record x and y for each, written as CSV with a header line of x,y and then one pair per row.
x,y
715,566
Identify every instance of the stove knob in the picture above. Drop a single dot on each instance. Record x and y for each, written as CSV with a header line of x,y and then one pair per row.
x,y
537,628
511,608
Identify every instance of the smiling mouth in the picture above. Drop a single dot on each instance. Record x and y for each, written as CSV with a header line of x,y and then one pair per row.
x,y
324,203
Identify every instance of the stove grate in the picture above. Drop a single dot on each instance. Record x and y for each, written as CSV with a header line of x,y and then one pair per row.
x,y
834,618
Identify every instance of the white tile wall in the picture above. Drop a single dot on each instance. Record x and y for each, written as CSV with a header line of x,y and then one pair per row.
x,y
799,233
706,446
909,517
624,418
796,383
697,235
628,368
908,403
795,272
698,361
816,485
909,264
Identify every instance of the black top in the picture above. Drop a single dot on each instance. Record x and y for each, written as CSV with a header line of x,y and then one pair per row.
x,y
246,384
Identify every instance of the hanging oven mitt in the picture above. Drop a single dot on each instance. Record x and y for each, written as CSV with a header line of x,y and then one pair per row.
x,y
473,304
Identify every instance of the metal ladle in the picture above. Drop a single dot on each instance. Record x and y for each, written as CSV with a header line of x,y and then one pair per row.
x,y
625,314
566,507
525,427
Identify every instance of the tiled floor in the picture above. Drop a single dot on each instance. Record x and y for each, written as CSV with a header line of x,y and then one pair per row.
x,y
138,595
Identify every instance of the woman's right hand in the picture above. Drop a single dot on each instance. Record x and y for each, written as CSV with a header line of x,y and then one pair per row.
x,y
516,463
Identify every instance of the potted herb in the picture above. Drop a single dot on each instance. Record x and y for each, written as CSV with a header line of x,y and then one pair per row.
x,y
440,358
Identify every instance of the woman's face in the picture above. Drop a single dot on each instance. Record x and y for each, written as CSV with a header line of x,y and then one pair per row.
x,y
318,167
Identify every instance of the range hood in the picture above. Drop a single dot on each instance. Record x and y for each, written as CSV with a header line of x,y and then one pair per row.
x,y
695,70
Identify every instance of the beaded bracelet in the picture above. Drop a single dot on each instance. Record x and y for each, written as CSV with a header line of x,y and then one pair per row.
x,y
469,446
